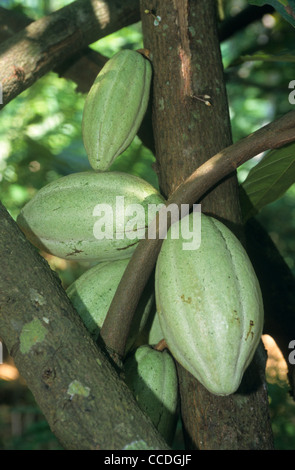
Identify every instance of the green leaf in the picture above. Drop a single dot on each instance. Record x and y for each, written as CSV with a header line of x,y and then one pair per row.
x,y
268,180
286,8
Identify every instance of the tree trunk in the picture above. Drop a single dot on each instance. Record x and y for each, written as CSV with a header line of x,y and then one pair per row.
x,y
186,58
85,401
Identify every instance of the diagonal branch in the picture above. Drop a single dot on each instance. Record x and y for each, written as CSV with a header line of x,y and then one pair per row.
x,y
46,43
116,327
82,67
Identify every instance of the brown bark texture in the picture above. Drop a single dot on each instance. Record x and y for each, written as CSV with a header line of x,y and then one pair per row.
x,y
187,65
47,42
82,67
85,401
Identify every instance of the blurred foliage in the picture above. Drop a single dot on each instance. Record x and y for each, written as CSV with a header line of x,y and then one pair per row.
x,y
282,414
286,8
40,140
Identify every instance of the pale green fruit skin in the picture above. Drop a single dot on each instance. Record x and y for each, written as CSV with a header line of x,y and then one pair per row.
x,y
115,106
59,218
210,306
152,377
92,293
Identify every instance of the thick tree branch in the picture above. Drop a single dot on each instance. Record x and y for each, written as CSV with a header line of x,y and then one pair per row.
x,y
86,403
115,329
82,67
46,43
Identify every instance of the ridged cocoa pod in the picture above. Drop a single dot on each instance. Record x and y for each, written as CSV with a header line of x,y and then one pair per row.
x,y
115,106
209,305
67,217
92,293
152,377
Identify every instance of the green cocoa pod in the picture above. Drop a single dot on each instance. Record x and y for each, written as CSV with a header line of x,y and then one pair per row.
x,y
92,294
115,107
209,305
152,377
90,216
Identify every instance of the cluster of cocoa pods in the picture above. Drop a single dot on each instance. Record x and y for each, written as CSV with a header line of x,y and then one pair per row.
x,y
208,301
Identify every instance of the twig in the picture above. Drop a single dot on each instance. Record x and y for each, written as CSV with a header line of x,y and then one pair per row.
x,y
115,329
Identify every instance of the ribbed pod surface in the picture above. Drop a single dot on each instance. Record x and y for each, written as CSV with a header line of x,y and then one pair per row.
x,y
67,217
209,305
115,106
92,294
152,377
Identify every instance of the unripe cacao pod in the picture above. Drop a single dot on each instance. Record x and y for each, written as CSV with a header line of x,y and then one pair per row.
x,y
209,305
61,218
152,377
115,106
92,293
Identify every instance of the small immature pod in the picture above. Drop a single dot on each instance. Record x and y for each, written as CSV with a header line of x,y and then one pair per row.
x,y
115,106
152,377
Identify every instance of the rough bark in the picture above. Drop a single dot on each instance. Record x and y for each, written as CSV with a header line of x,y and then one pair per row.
x,y
187,64
47,42
86,403
82,67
